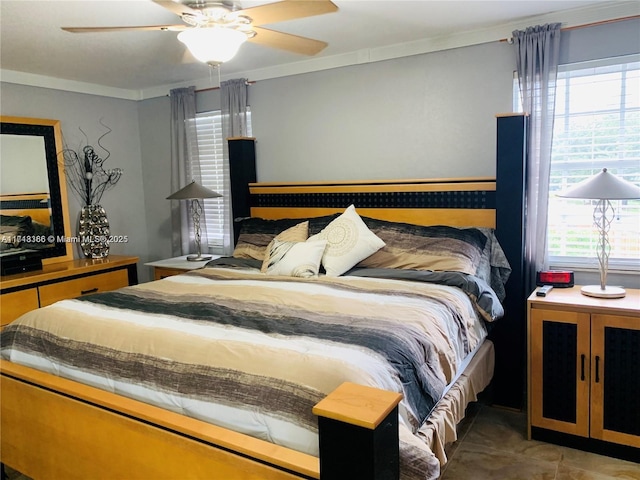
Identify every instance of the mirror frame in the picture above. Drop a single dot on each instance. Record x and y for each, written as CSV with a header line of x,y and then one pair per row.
x,y
52,134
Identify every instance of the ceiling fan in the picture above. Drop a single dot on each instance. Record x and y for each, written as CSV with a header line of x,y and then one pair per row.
x,y
214,30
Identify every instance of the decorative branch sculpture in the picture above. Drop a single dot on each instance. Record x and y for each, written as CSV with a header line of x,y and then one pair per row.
x,y
85,171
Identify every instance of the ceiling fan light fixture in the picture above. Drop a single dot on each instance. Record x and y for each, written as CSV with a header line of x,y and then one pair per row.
x,y
213,45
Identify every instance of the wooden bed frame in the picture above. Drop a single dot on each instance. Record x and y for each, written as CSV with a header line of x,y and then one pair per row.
x,y
56,428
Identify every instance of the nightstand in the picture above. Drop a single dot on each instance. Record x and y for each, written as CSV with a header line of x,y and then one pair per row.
x,y
175,266
584,371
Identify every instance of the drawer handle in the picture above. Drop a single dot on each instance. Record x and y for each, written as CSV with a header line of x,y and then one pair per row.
x,y
597,368
582,367
91,290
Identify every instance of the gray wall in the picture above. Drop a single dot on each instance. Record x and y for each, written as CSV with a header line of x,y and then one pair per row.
x,y
426,116
125,203
155,115
602,41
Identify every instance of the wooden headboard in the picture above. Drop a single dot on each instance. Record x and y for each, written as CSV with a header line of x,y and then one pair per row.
x,y
34,205
451,201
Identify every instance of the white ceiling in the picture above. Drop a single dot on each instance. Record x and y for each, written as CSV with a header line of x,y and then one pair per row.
x,y
35,51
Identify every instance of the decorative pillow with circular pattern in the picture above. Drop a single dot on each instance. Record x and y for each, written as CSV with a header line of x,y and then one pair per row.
x,y
348,242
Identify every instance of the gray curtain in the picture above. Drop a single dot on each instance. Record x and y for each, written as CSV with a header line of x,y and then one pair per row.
x,y
234,101
184,146
537,50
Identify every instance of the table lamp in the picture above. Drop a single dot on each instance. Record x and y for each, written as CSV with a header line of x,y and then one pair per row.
x,y
603,186
194,192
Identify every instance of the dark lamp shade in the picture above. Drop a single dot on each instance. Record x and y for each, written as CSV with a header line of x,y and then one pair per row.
x,y
603,186
193,191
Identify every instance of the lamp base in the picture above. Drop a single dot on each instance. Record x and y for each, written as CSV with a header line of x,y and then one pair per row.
x,y
199,258
608,292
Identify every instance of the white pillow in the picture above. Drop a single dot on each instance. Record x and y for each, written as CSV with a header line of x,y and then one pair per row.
x,y
348,242
297,233
295,259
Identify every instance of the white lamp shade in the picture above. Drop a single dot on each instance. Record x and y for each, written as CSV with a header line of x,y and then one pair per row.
x,y
193,191
213,44
603,186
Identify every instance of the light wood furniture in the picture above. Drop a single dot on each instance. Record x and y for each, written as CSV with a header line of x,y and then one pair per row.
x,y
584,382
175,266
118,437
109,436
27,291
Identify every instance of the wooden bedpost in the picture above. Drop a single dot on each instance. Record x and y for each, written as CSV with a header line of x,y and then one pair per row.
x,y
242,172
509,334
358,429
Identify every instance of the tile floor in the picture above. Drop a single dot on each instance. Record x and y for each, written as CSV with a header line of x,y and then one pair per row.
x,y
492,445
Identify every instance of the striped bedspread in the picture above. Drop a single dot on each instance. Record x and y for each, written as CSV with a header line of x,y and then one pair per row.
x,y
254,353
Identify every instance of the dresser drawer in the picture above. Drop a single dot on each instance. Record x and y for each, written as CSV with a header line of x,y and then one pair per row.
x,y
101,282
14,304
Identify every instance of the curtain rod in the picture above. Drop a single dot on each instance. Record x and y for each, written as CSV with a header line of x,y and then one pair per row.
x,y
508,40
585,25
218,88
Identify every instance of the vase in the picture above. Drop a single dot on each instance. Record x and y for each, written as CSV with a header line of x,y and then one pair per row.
x,y
94,231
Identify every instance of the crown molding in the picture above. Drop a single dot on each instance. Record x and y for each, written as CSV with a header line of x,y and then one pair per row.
x,y
601,12
43,81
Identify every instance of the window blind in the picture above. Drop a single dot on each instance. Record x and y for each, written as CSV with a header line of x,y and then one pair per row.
x,y
214,170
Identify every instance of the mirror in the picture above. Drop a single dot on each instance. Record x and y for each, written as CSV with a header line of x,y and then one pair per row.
x,y
33,190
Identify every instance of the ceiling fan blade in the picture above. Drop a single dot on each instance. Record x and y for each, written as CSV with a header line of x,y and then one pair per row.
x,y
170,28
287,10
177,7
286,41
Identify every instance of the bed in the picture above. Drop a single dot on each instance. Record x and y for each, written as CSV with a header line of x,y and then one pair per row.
x,y
278,345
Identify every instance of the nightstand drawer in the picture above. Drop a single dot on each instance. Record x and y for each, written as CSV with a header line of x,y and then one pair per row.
x,y
101,282
14,304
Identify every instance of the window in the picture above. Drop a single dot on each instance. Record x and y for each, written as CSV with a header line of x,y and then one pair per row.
x,y
597,124
215,174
